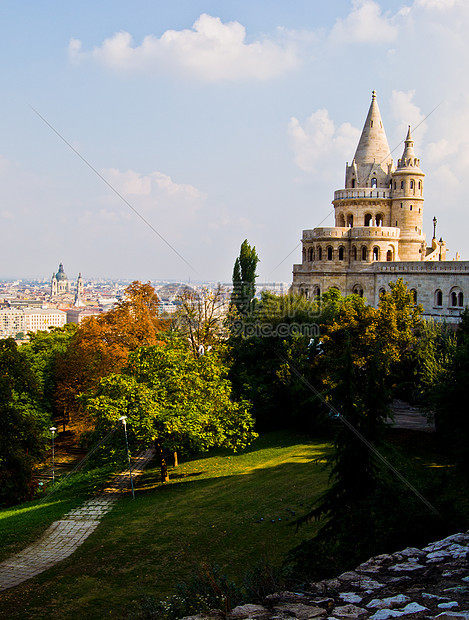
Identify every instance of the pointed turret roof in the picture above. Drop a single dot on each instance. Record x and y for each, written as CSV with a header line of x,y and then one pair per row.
x,y
373,145
408,158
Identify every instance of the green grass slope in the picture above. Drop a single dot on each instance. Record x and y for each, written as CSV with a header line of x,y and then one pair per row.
x,y
210,511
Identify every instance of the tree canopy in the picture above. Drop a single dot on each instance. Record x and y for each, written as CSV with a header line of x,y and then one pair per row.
x,y
174,400
101,346
22,424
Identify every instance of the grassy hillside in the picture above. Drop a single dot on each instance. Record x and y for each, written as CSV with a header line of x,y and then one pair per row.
x,y
224,508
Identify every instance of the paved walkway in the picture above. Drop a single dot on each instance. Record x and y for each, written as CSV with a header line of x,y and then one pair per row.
x,y
62,538
406,416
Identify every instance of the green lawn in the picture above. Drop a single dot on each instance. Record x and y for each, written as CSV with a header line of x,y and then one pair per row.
x,y
210,510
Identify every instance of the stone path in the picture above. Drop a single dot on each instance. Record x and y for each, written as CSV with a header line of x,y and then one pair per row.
x,y
410,418
63,537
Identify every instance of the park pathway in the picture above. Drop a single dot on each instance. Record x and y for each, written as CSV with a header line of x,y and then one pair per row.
x,y
63,537
410,418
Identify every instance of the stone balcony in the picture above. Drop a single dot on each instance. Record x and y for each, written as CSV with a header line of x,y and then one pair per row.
x,y
363,192
356,232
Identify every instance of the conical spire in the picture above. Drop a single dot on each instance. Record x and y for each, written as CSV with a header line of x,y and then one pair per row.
x,y
373,145
408,156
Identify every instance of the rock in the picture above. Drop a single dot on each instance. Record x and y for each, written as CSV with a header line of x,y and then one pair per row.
x,y
448,605
388,603
349,576
413,608
434,597
453,615
407,567
350,597
349,611
366,583
384,614
412,552
301,611
247,611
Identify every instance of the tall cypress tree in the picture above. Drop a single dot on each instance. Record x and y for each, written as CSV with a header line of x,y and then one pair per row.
x,y
244,279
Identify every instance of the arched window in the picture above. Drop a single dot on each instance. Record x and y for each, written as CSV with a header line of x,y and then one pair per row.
x,y
304,255
354,252
411,184
306,293
364,252
302,291
394,184
379,219
358,290
460,299
402,184
353,182
374,182
368,219
438,298
454,299
329,252
350,220
341,252
389,256
311,254
413,293
375,253
319,253
341,220
381,292
316,291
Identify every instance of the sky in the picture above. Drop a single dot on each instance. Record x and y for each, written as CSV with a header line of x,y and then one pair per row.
x,y
147,139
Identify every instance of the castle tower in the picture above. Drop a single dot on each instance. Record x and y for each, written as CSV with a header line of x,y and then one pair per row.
x,y
407,203
366,199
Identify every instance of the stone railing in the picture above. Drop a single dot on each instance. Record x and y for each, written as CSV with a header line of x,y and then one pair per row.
x,y
428,266
356,231
362,192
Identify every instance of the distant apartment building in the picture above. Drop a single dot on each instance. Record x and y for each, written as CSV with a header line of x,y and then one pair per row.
x,y
15,321
76,315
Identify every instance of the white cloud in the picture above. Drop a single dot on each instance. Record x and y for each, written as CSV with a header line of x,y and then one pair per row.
x,y
442,5
155,184
406,112
364,24
318,142
211,51
156,192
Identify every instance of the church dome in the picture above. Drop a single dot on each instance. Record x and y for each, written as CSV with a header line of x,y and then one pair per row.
x,y
61,275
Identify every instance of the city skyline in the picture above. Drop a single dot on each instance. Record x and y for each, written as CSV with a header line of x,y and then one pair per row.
x,y
214,124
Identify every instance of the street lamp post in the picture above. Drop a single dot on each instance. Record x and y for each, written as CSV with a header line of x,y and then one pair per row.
x,y
123,420
53,429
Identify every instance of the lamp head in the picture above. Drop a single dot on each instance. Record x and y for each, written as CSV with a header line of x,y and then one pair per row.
x,y
53,429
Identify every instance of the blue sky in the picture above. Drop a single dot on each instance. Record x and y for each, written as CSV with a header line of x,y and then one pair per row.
x,y
217,121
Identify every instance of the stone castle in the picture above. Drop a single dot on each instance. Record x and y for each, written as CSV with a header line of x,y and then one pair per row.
x,y
378,234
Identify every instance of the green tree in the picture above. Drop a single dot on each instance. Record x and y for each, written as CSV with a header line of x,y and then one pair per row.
x,y
44,353
174,400
22,425
244,279
450,395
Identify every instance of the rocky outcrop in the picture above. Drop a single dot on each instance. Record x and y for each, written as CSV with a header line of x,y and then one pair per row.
x,y
414,583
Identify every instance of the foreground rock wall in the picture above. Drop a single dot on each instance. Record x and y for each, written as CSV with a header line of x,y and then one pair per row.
x,y
413,583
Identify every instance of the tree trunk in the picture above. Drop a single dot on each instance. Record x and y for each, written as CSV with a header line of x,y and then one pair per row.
x,y
175,456
161,457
